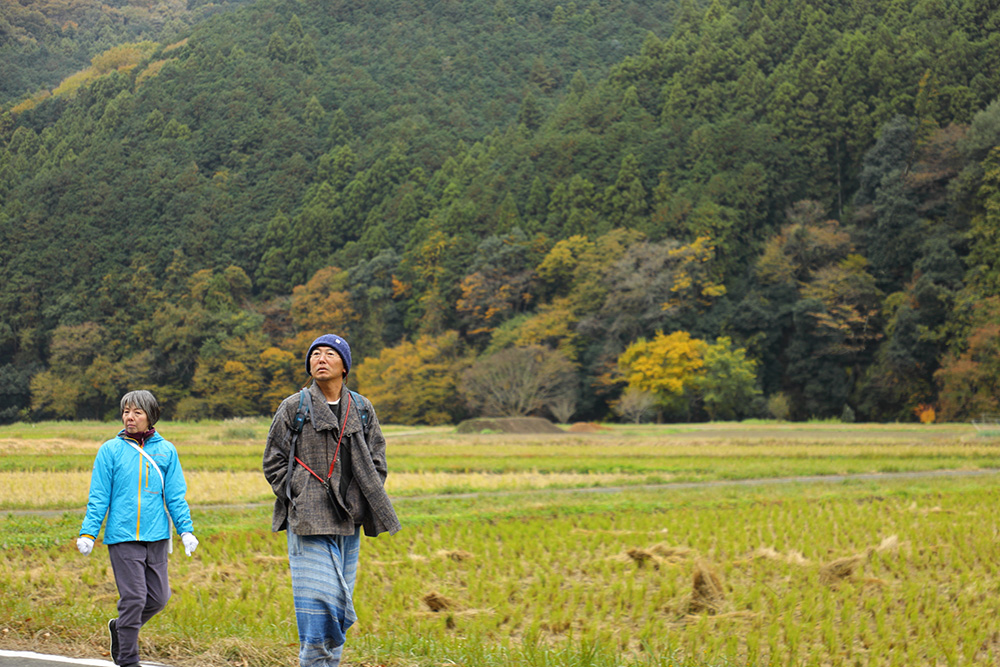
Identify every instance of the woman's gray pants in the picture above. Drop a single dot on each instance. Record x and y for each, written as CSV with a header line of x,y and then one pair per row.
x,y
141,576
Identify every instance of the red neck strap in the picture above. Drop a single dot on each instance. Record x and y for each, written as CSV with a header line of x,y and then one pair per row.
x,y
336,451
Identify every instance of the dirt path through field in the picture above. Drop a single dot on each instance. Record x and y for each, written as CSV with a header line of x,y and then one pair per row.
x,y
799,479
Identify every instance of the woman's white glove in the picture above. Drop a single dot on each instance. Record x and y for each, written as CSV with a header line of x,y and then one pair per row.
x,y
85,545
190,543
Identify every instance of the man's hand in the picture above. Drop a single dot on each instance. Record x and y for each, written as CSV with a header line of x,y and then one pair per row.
x,y
85,545
190,543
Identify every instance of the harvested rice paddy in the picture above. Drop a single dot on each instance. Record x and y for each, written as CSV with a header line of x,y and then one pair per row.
x,y
576,549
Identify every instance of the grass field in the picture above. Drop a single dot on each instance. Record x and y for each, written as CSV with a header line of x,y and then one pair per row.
x,y
576,549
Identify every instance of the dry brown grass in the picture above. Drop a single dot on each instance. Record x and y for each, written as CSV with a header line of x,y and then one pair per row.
x,y
30,490
437,602
39,490
707,592
642,557
839,569
670,552
791,557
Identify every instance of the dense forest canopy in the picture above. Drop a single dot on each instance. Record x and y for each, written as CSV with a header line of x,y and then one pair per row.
x,y
669,210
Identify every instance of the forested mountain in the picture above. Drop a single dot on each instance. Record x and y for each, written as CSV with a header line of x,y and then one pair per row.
x,y
703,211
44,41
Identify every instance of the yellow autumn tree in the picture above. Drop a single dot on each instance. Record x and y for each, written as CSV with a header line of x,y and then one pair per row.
x,y
321,306
226,382
74,387
553,325
852,303
576,267
242,376
123,57
485,302
415,382
279,370
694,276
55,395
559,267
669,367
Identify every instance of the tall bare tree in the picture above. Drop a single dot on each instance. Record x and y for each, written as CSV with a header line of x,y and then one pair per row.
x,y
634,404
517,381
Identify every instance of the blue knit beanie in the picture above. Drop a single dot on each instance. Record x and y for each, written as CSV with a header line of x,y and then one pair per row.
x,y
337,343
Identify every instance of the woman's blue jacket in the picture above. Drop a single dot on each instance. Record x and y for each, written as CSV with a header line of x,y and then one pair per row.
x,y
126,487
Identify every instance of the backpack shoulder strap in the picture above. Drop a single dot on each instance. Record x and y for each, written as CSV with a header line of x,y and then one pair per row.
x,y
363,410
301,415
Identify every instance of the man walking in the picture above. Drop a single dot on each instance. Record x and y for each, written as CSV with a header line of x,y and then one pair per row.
x,y
327,470
137,480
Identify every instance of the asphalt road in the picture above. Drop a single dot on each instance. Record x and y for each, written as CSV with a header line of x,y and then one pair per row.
x,y
30,659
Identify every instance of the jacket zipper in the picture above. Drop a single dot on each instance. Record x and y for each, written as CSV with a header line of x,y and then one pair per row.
x,y
138,512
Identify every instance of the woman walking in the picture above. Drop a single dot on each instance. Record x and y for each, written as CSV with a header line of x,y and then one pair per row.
x,y
138,482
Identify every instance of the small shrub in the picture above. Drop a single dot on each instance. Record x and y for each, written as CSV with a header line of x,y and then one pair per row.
x,y
925,413
847,415
239,433
192,409
779,406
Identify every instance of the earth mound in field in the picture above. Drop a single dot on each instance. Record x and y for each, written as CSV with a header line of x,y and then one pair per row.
x,y
587,427
508,425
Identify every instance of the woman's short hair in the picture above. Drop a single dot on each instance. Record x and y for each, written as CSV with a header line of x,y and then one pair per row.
x,y
145,401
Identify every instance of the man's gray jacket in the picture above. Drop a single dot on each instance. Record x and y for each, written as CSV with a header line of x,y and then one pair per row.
x,y
309,511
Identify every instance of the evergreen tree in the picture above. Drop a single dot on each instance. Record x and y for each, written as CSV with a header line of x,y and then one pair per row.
x,y
273,275
276,48
890,155
339,133
537,203
625,201
295,27
530,114
314,113
508,217
308,57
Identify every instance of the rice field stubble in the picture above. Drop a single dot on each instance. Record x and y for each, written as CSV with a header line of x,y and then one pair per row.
x,y
887,572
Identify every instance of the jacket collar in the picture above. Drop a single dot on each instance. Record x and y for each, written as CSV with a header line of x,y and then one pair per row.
x,y
324,420
152,437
